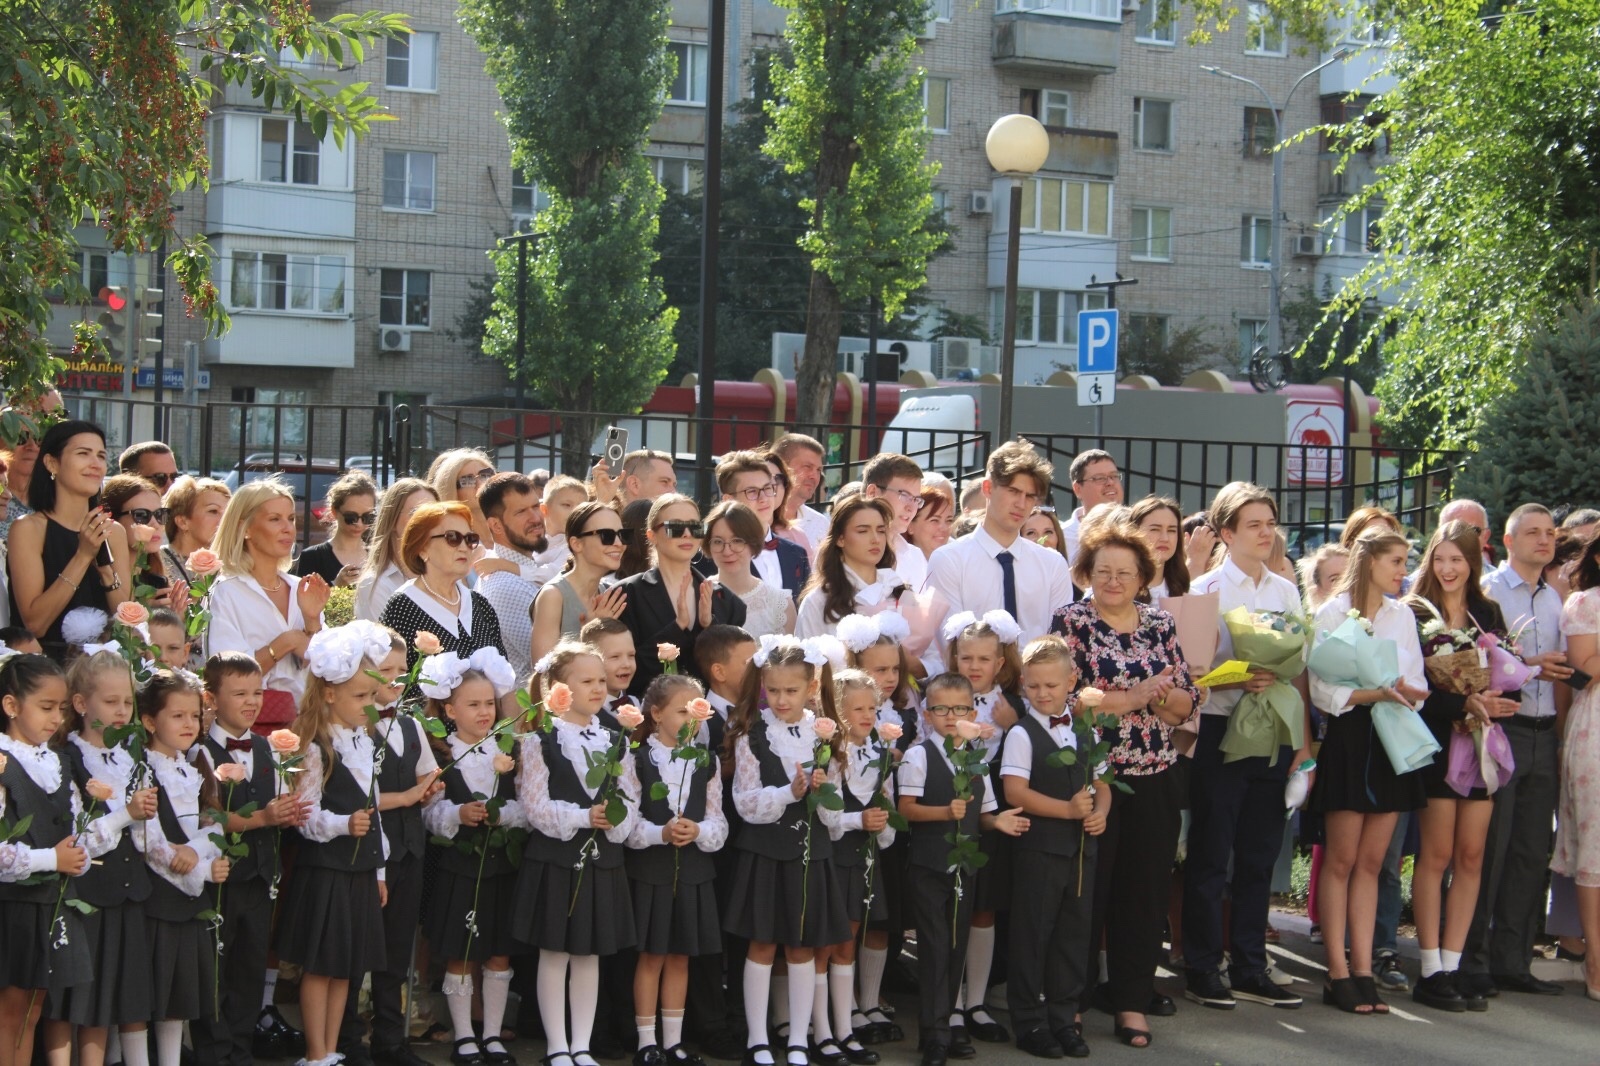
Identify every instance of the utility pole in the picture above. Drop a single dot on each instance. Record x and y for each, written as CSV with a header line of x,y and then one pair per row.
x,y
710,250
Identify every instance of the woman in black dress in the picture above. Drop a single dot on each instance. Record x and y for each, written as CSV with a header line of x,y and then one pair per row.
x,y
352,510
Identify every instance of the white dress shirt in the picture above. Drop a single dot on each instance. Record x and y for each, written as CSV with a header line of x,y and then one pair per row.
x,y
511,596
372,594
1235,589
1070,530
814,524
966,574
769,568
1395,622
1018,758
910,563
246,759
793,744
476,763
912,777
244,618
870,599
677,774
45,768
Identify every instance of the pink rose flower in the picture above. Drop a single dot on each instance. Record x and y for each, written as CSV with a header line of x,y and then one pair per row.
x,y
503,763
967,729
700,709
230,772
824,728
98,789
283,741
667,653
890,732
427,643
203,561
630,718
132,613
1090,697
559,701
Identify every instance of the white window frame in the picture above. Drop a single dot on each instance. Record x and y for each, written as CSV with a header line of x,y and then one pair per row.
x,y
1260,30
694,60
329,274
537,199
419,41
1360,222
1153,24
292,128
1141,106
940,10
1065,317
91,261
931,84
1055,100
1097,10
1361,28
1254,225
1143,246
690,180
1034,187
1257,338
412,185
406,276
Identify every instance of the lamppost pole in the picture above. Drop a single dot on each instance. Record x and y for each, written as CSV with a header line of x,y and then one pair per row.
x,y
1017,146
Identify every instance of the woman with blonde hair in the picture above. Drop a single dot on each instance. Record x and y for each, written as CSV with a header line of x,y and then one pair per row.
x,y
194,510
458,474
385,570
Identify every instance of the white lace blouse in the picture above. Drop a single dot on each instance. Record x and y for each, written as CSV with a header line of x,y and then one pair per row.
x,y
794,744
560,819
862,779
476,764
677,774
44,767
180,787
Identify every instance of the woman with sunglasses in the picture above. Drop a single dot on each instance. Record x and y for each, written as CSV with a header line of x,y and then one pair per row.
x,y
438,546
457,475
596,538
669,603
733,540
194,511
135,504
351,512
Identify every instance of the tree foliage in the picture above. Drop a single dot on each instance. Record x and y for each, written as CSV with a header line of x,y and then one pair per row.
x,y
849,114
102,119
1167,354
582,82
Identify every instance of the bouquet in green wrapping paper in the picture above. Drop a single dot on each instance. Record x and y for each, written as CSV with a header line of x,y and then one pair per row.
x,y
1265,721
1350,656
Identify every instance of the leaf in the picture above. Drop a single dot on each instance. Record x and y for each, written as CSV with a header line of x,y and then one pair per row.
x,y
897,822
658,790
81,906
434,727
595,776
616,810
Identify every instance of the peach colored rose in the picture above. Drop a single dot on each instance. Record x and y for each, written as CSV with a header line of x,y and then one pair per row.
x,y
427,643
283,741
559,701
630,718
890,732
825,728
503,763
202,561
132,613
700,709
98,790
667,653
967,729
230,772
1090,697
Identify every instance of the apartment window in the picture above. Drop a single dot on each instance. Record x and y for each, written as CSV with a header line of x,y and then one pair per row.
x,y
1359,235
403,298
1053,107
1252,335
1103,10
689,83
936,103
412,62
1152,234
1260,132
300,284
677,174
1365,28
1062,205
527,199
1265,34
1156,22
940,10
1255,241
290,152
408,180
94,270
1152,124
1044,316
265,428
941,203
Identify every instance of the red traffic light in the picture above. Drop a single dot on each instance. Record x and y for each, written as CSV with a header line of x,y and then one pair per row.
x,y
113,301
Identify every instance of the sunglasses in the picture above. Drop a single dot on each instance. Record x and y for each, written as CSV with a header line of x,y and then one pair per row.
x,y
455,538
364,518
467,481
161,481
684,529
608,537
144,516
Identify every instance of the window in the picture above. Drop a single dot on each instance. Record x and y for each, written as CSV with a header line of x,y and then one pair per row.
x,y
408,180
1052,107
1252,335
1156,23
301,284
941,203
1044,316
1365,28
403,298
936,103
940,10
1359,235
1062,205
1152,124
1103,10
527,199
1152,234
689,83
290,152
265,428
94,270
1260,132
677,174
412,63
1255,241
1148,331
1265,34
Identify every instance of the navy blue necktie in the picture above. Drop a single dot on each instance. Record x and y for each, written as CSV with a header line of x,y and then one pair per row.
x,y
1008,581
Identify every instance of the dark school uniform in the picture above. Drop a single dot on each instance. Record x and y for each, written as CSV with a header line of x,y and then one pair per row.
x,y
474,895
860,865
674,895
993,890
183,946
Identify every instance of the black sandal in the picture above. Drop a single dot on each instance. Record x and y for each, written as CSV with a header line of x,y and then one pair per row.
x,y
750,1055
1368,987
502,1057
1342,992
1129,1035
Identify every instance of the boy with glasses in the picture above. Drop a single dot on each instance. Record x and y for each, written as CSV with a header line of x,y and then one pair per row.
x,y
744,477
898,479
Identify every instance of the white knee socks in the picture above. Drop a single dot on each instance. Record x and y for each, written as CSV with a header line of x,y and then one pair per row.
x,y
582,994
821,1029
169,1042
457,988
801,993
757,992
496,991
980,960
841,981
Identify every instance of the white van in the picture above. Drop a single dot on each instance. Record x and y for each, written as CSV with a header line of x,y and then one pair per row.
x,y
930,429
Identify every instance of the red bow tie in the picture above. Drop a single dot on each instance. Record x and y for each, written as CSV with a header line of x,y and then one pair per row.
x,y
1060,719
239,745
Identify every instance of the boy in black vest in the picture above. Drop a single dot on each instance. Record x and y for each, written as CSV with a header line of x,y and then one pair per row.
x,y
233,697
941,901
1051,907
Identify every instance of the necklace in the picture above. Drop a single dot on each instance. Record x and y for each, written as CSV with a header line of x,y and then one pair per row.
x,y
439,595
275,588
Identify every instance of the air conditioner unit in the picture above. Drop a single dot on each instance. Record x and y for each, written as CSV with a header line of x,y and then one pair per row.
x,y
1307,244
1130,7
393,339
955,354
981,203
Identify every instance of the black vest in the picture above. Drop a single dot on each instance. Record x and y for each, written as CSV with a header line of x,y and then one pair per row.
x,y
168,902
460,855
1058,836
655,865
398,773
52,823
565,786
341,795
785,839
850,849
119,875
262,858
930,846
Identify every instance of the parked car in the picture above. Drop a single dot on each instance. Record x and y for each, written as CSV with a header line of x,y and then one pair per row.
x,y
309,480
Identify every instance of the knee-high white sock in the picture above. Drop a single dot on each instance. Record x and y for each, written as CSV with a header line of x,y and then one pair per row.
x,y
457,988
821,1029
801,993
757,993
496,991
980,960
870,963
135,1049
671,1028
270,988
780,997
841,985
551,988
585,990
169,1042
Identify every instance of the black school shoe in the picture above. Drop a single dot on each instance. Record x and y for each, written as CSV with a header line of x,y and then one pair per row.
x,y
1208,990
990,1032
1259,988
277,1038
1439,991
1072,1042
1040,1043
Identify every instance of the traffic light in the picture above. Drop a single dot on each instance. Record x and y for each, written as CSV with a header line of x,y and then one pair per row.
x,y
151,317
113,322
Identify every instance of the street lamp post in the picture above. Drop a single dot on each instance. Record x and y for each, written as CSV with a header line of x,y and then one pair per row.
x,y
1017,147
1275,258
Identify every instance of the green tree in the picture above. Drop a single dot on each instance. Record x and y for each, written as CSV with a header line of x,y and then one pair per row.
x,y
1150,346
1543,445
102,117
849,115
582,82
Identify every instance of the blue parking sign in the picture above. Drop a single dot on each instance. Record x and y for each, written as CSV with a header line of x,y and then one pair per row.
x,y
1097,341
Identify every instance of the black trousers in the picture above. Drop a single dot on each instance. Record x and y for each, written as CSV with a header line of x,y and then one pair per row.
x,y
246,936
1235,811
401,916
1133,879
1049,938
942,922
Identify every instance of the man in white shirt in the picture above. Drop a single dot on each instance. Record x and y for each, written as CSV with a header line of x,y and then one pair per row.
x,y
1236,808
803,456
744,477
994,567
898,479
511,508
1095,480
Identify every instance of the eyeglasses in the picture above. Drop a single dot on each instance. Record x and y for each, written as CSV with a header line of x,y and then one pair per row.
x,y
144,516
910,498
1121,577
683,529
467,481
942,710
161,481
759,492
455,538
731,544
364,518
1103,479
608,537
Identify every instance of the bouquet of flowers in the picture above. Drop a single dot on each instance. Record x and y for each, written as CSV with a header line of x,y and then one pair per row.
x,y
1451,657
1349,655
1265,721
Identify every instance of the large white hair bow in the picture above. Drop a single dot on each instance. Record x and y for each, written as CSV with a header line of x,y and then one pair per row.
x,y
858,632
336,654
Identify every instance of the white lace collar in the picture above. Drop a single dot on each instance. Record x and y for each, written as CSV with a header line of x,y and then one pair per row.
x,y
476,764
861,769
793,742
677,774
112,764
41,764
459,624
179,781
576,740
354,748
888,712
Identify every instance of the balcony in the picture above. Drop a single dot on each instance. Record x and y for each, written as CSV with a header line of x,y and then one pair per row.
x,y
258,208
257,339
1056,37
1080,151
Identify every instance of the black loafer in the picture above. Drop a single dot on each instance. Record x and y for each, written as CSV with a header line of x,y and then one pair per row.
x,y
990,1032
1525,982
934,1054
1040,1044
1072,1041
650,1056
1161,1006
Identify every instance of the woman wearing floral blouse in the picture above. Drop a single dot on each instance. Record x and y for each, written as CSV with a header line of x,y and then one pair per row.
x,y
1129,651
